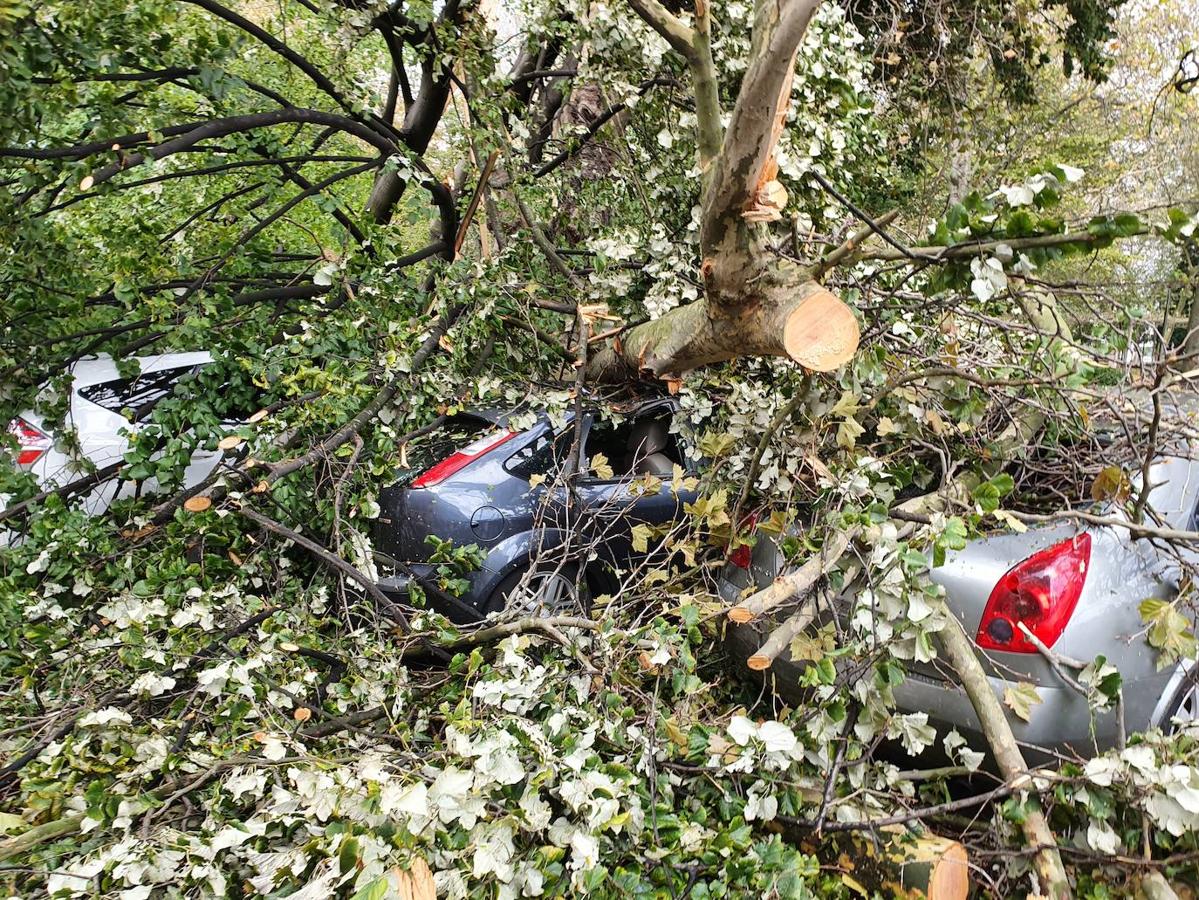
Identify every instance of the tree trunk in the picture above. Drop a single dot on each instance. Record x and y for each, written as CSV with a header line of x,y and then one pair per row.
x,y
755,302
1190,343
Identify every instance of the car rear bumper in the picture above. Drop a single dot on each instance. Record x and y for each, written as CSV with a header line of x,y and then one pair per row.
x,y
1062,723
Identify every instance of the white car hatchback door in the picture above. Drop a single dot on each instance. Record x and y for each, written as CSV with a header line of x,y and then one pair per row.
x,y
99,396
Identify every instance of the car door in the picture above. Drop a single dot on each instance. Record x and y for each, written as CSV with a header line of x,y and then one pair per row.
x,y
613,507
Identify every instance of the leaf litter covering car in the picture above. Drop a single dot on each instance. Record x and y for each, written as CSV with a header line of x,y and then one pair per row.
x,y
104,405
1079,590
479,482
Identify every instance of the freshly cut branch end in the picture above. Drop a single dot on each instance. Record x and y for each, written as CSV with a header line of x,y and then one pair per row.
x,y
822,332
780,639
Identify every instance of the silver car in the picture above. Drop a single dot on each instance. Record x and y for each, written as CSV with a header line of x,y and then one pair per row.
x,y
1077,588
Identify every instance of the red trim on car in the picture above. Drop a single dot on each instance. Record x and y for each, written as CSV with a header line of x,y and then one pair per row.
x,y
33,442
462,458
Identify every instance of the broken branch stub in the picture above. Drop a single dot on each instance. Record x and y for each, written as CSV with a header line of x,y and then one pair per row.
x,y
782,636
793,584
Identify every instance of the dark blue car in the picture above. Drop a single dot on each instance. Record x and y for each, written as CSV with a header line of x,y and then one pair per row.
x,y
547,546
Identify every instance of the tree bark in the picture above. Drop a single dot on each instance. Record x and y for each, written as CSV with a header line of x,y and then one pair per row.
x,y
786,315
1190,343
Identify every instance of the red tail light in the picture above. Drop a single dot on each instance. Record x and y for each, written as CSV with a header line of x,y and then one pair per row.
x,y
1041,592
743,556
32,442
461,458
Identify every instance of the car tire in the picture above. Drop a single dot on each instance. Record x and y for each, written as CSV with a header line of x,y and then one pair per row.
x,y
546,590
1183,704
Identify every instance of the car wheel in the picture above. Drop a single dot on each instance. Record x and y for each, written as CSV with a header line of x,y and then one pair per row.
x,y
1183,708
543,591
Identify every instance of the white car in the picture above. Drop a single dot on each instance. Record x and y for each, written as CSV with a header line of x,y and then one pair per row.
x,y
99,397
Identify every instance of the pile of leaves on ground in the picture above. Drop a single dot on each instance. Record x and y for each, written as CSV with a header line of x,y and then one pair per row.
x,y
227,729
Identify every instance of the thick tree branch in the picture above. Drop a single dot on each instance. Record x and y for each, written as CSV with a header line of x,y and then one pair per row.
x,y
300,62
680,37
581,141
237,124
707,88
959,650
980,248
168,74
327,557
752,133
694,44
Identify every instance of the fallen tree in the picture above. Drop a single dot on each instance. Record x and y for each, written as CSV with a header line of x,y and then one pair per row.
x,y
193,686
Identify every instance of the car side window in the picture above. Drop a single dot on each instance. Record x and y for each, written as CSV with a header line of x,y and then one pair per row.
x,y
139,394
642,445
541,456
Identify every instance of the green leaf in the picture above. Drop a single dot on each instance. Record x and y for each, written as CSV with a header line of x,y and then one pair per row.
x,y
375,890
347,858
1014,810
986,495
1127,224
952,537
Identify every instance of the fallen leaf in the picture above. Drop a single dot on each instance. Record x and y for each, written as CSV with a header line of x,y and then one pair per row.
x,y
1021,698
886,426
676,734
1111,484
853,884
601,466
1010,521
